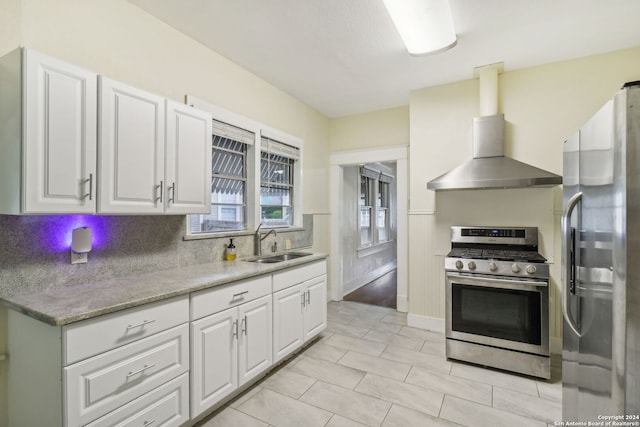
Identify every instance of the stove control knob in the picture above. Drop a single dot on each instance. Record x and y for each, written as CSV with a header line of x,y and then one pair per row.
x,y
471,265
459,265
516,268
493,266
531,269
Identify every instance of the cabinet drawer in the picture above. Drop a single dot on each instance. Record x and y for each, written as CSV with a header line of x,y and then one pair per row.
x,y
166,406
90,337
105,382
209,301
295,275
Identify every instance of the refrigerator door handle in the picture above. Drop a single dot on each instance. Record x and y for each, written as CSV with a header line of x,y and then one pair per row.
x,y
569,268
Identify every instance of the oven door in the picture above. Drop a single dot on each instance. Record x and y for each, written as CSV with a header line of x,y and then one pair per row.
x,y
501,312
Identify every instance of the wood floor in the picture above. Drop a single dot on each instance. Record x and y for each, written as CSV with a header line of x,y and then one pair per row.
x,y
382,292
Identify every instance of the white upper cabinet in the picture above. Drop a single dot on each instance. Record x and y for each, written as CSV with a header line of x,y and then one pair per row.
x,y
188,159
75,142
130,150
47,135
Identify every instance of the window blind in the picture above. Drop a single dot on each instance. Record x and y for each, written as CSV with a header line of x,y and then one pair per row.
x,y
278,148
235,133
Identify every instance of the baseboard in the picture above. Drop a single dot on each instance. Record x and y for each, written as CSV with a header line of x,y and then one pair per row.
x,y
434,324
369,277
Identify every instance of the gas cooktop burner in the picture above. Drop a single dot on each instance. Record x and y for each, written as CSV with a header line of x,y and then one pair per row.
x,y
496,254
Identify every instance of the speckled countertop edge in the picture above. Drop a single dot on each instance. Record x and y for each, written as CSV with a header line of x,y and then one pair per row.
x,y
61,306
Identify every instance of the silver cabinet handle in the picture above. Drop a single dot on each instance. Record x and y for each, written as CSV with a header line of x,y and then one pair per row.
x,y
90,182
568,261
143,323
245,325
239,294
234,329
308,297
172,199
161,186
304,300
139,371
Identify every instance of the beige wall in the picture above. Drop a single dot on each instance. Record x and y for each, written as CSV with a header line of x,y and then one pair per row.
x,y
542,106
376,129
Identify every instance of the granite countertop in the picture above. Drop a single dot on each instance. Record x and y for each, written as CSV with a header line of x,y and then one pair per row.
x,y
61,306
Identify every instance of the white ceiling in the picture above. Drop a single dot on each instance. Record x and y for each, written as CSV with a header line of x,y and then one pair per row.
x,y
344,56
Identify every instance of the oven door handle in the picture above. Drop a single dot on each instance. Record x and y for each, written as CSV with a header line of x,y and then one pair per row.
x,y
495,280
569,262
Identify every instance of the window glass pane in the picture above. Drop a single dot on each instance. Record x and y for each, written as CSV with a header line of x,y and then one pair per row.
x,y
381,224
225,190
222,218
365,226
276,216
275,169
227,163
276,190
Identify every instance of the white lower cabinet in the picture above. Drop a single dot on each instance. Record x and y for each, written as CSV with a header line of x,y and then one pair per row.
x,y
229,349
124,380
165,363
299,314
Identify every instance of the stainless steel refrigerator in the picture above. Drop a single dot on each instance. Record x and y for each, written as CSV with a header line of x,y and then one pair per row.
x,y
601,264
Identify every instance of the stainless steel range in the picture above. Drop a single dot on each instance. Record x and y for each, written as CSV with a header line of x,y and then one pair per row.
x,y
497,299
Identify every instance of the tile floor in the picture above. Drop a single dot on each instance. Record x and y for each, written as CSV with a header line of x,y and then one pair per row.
x,y
370,369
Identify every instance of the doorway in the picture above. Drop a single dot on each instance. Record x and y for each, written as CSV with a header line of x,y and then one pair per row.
x,y
340,220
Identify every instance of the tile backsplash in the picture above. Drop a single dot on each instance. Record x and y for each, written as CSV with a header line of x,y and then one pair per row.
x,y
34,250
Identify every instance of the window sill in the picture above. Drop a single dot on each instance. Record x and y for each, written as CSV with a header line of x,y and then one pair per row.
x,y
373,249
228,234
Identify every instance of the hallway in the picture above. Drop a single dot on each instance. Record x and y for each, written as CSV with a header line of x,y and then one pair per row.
x,y
381,292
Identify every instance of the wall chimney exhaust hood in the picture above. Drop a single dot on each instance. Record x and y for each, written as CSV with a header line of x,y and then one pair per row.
x,y
489,167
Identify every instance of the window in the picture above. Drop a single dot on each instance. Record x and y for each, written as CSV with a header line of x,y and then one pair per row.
x,y
366,230
277,163
228,181
374,205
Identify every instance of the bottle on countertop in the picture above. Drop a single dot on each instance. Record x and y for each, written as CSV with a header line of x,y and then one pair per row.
x,y
231,251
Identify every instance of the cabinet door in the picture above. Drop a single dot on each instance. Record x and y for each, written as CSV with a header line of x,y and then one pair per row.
x,y
315,313
188,161
130,150
255,338
287,321
59,145
214,361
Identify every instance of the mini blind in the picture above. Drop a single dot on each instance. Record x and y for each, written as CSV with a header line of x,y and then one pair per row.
x,y
235,133
279,149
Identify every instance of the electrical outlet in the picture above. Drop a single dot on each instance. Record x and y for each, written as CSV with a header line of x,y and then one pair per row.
x,y
79,258
287,244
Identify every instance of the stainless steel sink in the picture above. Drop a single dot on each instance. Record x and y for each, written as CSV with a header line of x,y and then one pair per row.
x,y
280,258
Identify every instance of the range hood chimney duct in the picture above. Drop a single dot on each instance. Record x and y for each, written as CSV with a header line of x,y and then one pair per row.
x,y
490,168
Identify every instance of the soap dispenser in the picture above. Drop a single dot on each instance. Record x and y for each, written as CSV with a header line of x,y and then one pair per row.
x,y
231,251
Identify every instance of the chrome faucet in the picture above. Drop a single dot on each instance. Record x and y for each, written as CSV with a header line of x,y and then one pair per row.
x,y
258,239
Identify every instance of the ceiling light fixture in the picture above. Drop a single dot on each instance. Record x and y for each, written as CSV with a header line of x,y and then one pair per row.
x,y
425,26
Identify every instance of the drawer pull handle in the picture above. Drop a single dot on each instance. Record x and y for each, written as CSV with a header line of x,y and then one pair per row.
x,y
148,423
308,297
144,323
139,371
239,294
303,300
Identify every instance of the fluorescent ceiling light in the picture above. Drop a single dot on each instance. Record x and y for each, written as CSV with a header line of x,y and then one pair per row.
x,y
425,26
